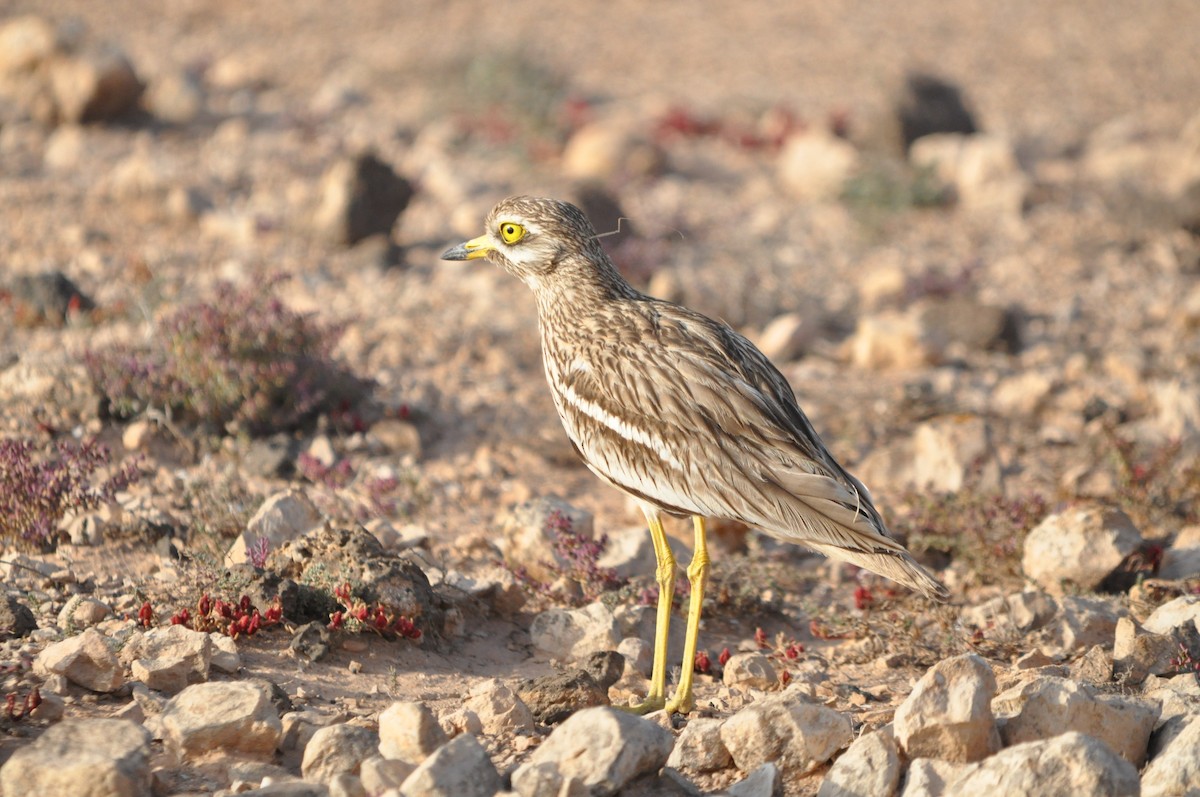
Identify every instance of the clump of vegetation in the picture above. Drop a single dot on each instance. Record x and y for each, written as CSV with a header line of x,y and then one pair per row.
x,y
38,489
576,561
358,616
1158,486
986,531
234,619
507,99
240,359
352,495
884,188
15,713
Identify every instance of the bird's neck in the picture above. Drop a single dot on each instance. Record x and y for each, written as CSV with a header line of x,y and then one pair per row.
x,y
578,288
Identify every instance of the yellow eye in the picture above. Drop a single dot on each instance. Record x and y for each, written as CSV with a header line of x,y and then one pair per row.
x,y
510,232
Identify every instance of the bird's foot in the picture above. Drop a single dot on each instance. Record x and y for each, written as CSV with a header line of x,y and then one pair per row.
x,y
680,703
651,704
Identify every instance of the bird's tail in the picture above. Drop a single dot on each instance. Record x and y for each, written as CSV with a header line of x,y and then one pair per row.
x,y
838,519
899,566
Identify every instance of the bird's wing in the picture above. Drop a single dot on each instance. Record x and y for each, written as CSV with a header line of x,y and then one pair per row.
x,y
701,400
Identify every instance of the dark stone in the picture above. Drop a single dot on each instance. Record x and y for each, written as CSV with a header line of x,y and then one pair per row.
x,y
604,212
301,603
606,666
352,554
553,698
929,104
16,620
47,298
311,642
273,456
376,198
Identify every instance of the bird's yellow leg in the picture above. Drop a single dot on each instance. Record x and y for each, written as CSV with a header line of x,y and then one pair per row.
x,y
698,577
664,574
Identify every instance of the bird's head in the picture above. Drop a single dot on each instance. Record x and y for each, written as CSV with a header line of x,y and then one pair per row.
x,y
533,239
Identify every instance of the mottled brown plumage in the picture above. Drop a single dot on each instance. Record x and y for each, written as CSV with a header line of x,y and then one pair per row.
x,y
677,409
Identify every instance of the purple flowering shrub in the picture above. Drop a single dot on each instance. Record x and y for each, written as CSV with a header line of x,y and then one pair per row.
x,y
37,490
240,357
576,560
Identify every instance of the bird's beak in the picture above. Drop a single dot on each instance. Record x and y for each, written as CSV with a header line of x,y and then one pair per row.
x,y
471,250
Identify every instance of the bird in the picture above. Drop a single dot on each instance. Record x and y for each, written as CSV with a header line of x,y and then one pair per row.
x,y
682,413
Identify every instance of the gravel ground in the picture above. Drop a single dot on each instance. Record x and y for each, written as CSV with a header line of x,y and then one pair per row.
x,y
988,329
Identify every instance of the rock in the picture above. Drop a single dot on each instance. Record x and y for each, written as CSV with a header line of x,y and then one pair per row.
x,y
298,728
699,747
750,670
1080,546
1175,769
85,757
630,552
283,517
927,777
606,666
527,540
870,767
271,457
1018,613
963,323
378,774
460,720
225,656
1048,706
638,655
613,148
16,620
981,170
394,581
1180,562
168,658
337,749
397,436
948,715
1022,395
787,337
888,340
1072,764
176,96
574,633
788,730
311,641
409,732
766,781
1138,653
346,785
360,196
95,84
928,104
233,716
86,660
459,768
499,708
46,298
137,435
1094,667
814,165
1079,624
601,748
553,698
25,42
1174,614
947,449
